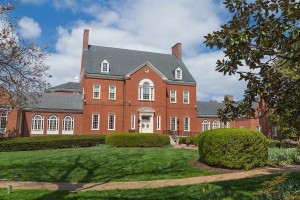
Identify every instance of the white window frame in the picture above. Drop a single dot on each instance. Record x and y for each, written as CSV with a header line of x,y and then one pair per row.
x,y
109,122
96,92
205,125
3,121
158,122
132,124
141,90
274,131
94,122
52,124
175,123
173,96
186,99
186,124
227,125
178,74
114,92
102,66
37,125
215,124
258,128
68,125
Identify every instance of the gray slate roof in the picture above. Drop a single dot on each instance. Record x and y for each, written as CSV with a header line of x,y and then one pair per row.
x,y
70,86
123,61
56,101
209,109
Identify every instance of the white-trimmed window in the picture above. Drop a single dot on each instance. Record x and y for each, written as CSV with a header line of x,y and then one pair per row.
x,y
146,90
105,66
227,125
186,97
178,74
205,125
112,92
158,122
132,126
37,124
96,91
258,128
52,127
173,98
186,124
3,121
274,131
95,121
173,123
111,122
215,124
68,125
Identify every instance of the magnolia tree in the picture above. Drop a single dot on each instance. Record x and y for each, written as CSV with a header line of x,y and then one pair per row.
x,y
22,67
260,43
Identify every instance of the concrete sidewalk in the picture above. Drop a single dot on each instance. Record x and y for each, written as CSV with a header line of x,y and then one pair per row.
x,y
147,184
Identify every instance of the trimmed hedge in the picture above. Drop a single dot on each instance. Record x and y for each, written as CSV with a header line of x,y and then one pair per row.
x,y
50,142
233,148
137,140
273,143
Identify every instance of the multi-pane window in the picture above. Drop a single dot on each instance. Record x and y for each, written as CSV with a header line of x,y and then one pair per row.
x,y
132,127
205,125
178,73
186,124
95,121
258,128
146,90
173,123
68,123
216,124
111,122
173,96
112,92
52,123
158,123
96,91
186,97
274,131
37,123
105,66
3,120
225,125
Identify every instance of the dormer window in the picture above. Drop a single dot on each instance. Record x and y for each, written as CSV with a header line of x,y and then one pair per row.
x,y
105,66
178,73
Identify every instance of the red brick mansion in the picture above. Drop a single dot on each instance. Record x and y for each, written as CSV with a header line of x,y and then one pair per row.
x,y
123,90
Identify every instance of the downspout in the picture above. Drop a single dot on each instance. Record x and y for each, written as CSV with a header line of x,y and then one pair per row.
x,y
123,106
166,110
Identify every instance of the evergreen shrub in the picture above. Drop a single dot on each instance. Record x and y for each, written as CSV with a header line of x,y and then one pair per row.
x,y
137,140
233,148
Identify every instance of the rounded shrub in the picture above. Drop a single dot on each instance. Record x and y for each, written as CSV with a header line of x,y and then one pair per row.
x,y
137,140
233,148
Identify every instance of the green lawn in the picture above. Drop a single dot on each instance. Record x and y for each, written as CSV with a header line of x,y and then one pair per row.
x,y
230,190
100,164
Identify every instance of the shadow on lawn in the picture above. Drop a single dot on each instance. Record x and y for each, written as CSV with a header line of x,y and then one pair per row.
x,y
90,168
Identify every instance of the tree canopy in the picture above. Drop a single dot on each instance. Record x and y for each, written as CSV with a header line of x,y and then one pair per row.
x,y
261,45
22,67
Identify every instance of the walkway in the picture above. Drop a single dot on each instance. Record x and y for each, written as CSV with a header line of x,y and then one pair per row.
x,y
147,184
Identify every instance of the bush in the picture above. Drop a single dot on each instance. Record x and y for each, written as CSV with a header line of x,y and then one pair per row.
x,y
273,143
283,156
233,148
196,139
137,140
50,142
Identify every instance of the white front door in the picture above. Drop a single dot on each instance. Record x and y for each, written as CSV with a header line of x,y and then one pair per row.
x,y
146,124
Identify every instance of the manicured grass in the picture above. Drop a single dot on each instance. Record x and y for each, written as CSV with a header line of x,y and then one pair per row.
x,y
100,164
230,190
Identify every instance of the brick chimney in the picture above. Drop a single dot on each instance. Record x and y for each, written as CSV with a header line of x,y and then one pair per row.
x,y
85,39
176,51
229,98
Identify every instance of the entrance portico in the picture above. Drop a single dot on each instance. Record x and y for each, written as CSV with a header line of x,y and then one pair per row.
x,y
146,115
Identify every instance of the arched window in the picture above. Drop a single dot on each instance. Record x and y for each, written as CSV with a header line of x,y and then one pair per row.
x,y
216,124
105,66
37,124
68,123
178,73
205,125
146,90
225,125
52,124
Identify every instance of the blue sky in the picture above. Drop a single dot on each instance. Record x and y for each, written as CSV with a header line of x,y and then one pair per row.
x,y
147,25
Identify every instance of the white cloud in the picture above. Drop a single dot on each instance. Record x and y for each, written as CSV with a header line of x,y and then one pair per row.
x,y
36,2
29,28
148,25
